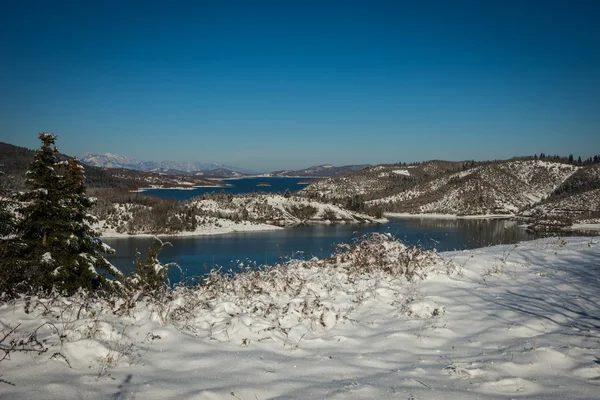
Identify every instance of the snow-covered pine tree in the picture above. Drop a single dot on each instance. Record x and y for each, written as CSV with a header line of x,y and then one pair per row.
x,y
11,271
7,220
86,267
43,228
63,252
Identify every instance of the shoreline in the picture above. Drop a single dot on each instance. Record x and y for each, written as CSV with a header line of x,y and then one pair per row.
x,y
267,176
448,216
141,190
233,228
584,227
573,228
199,232
250,227
226,185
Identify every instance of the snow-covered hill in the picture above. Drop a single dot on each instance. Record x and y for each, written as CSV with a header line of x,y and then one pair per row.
x,y
277,210
450,188
148,179
576,200
218,213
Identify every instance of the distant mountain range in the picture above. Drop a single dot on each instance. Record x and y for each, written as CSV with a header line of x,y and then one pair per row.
x,y
108,160
15,161
209,170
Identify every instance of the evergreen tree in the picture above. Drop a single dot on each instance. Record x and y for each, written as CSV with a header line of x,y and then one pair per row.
x,y
11,271
7,220
62,250
43,228
85,265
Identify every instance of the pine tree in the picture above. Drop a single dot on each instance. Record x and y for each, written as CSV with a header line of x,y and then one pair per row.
x,y
63,252
85,266
43,228
7,220
11,271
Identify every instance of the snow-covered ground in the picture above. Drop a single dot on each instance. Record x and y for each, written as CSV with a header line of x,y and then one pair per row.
x,y
511,321
216,226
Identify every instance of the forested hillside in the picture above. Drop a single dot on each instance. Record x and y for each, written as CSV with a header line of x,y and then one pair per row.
x,y
467,188
16,159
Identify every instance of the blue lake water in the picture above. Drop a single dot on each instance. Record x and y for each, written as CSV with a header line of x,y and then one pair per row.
x,y
197,255
236,186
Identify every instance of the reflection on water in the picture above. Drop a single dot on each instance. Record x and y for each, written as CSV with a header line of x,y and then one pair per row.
x,y
197,255
474,233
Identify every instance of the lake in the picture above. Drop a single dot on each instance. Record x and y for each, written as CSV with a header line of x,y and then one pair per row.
x,y
237,186
197,255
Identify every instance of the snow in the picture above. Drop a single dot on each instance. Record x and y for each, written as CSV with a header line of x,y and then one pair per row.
x,y
219,226
47,258
511,321
403,172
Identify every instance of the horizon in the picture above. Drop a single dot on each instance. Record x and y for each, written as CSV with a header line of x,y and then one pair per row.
x,y
547,157
284,86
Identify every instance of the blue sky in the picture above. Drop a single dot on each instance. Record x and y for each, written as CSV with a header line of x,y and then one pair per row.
x,y
290,84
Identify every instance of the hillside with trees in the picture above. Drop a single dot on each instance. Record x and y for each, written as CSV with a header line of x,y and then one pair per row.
x,y
510,187
17,159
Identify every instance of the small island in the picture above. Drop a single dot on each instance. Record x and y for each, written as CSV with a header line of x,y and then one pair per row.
x,y
264,184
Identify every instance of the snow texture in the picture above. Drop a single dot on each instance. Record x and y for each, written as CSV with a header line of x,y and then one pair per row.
x,y
511,321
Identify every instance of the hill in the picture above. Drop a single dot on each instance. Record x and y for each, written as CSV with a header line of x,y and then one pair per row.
x,y
459,188
16,160
320,171
577,199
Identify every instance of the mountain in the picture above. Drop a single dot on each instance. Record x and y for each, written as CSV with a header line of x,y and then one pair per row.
x,y
462,188
15,161
108,160
320,171
212,170
223,173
